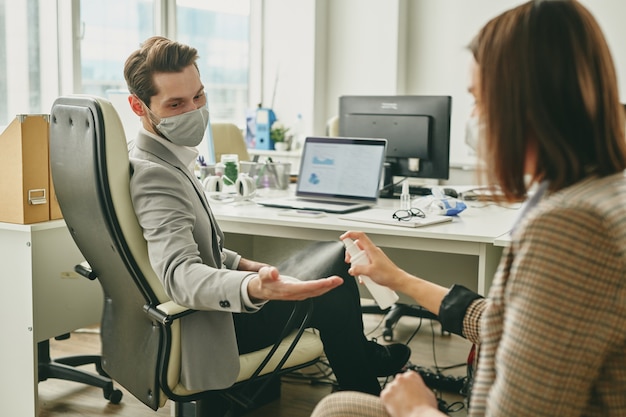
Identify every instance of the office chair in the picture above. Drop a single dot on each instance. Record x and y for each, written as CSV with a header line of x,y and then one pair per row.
x,y
227,138
140,330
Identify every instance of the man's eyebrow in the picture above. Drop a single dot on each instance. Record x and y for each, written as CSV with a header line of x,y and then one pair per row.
x,y
174,99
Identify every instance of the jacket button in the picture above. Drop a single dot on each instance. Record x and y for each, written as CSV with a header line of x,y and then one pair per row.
x,y
224,303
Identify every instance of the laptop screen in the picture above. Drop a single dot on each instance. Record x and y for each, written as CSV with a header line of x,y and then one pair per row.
x,y
348,168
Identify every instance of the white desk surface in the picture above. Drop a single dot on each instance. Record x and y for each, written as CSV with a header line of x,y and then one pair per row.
x,y
474,225
503,240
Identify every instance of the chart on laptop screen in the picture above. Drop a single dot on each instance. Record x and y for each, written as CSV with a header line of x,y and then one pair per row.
x,y
340,169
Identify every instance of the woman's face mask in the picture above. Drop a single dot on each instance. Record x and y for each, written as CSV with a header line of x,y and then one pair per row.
x,y
186,129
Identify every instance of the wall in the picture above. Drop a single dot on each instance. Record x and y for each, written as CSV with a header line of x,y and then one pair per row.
x,y
328,48
291,61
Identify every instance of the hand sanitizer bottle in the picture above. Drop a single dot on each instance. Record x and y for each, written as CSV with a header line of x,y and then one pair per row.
x,y
383,296
405,197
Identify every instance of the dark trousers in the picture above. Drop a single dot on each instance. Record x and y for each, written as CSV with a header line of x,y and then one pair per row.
x,y
336,314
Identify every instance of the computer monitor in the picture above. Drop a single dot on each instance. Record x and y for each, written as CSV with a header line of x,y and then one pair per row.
x,y
417,129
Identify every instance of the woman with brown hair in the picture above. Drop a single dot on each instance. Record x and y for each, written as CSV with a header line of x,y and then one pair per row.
x,y
552,333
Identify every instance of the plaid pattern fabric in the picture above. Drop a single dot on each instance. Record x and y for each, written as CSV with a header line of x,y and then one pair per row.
x,y
471,329
553,331
350,404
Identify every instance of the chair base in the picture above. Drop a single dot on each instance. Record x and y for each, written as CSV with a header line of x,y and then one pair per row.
x,y
216,405
66,369
394,313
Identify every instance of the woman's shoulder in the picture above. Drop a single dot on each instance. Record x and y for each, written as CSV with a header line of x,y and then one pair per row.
x,y
591,207
605,196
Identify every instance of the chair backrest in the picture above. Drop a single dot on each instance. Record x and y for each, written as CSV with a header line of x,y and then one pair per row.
x,y
227,138
91,172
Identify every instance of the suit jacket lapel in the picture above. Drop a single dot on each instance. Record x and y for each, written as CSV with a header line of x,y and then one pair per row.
x,y
159,151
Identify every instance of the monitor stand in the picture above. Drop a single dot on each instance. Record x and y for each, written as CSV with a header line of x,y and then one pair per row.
x,y
389,190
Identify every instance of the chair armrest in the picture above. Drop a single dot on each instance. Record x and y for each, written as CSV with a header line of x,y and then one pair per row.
x,y
171,308
167,312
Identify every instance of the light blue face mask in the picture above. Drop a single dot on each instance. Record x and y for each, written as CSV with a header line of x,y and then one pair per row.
x,y
186,129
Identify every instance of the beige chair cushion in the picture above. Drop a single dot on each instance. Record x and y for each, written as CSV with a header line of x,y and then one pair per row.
x,y
308,349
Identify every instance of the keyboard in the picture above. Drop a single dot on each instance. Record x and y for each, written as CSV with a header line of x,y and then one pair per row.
x,y
418,190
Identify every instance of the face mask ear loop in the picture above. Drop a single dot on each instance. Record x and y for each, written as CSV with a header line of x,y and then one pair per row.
x,y
151,116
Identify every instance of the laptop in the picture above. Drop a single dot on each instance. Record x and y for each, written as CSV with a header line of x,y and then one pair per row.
x,y
337,175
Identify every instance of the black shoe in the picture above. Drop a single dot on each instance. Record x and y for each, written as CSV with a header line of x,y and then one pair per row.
x,y
387,360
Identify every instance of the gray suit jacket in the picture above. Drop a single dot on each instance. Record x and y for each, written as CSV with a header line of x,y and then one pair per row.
x,y
185,246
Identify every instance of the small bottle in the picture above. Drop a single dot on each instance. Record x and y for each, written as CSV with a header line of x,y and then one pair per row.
x,y
405,197
297,132
383,296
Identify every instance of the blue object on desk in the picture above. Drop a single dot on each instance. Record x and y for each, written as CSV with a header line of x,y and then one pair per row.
x,y
439,203
264,119
451,206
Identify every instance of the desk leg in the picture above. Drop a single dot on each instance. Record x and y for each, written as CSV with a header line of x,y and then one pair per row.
x,y
488,261
18,355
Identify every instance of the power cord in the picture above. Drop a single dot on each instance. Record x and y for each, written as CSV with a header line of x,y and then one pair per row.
x,y
439,382
323,376
436,380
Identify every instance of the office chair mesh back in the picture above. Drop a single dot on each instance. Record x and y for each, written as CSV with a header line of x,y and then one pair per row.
x,y
85,134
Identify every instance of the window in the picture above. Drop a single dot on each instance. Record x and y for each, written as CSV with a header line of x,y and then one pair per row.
x,y
107,36
83,49
20,59
220,31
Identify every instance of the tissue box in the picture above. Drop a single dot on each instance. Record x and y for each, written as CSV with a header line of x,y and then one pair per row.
x,y
26,194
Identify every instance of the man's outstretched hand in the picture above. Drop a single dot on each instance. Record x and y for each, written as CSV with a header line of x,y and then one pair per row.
x,y
270,285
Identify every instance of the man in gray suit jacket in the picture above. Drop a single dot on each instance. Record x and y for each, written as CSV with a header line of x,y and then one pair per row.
x,y
186,245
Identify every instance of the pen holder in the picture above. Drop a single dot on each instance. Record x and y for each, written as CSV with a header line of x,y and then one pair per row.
x,y
250,168
274,175
206,171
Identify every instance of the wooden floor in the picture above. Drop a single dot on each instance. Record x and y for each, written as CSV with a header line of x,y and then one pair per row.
x,y
63,398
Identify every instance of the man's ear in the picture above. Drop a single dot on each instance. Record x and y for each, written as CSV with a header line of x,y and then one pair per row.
x,y
136,105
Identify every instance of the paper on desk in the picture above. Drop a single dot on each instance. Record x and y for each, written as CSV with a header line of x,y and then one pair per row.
x,y
385,216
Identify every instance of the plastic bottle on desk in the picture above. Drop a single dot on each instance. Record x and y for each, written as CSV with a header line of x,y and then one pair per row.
x,y
297,133
383,296
405,197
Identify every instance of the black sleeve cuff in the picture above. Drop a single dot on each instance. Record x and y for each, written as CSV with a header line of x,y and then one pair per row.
x,y
453,308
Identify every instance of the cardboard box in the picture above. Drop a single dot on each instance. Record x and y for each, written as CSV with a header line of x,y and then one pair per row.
x,y
25,170
55,209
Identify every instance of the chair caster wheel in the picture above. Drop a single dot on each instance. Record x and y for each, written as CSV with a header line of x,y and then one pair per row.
x,y
387,335
114,396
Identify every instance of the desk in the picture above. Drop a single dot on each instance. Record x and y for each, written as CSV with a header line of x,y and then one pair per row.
x,y
458,252
503,241
42,298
